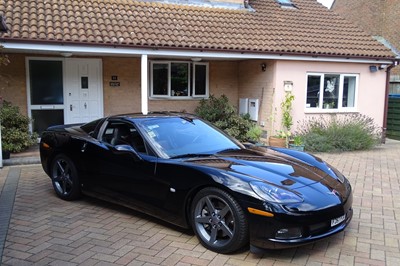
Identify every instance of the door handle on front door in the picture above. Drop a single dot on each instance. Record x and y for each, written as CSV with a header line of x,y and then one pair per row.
x,y
70,107
85,105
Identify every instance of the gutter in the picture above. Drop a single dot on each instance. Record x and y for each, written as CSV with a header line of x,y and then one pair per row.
x,y
208,52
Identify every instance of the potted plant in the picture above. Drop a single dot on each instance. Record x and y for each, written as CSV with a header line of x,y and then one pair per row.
x,y
15,135
281,139
298,144
254,134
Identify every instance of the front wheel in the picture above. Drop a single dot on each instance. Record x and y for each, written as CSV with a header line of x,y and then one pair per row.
x,y
64,177
219,221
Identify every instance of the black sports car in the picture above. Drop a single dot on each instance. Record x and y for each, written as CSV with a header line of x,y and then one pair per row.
x,y
183,170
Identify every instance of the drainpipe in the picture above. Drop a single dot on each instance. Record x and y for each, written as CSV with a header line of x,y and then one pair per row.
x,y
385,113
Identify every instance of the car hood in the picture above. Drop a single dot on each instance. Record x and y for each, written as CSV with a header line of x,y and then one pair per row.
x,y
282,167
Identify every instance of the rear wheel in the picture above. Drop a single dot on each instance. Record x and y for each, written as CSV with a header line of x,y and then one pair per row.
x,y
218,221
64,177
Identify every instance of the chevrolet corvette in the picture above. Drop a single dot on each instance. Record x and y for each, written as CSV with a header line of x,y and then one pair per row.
x,y
181,169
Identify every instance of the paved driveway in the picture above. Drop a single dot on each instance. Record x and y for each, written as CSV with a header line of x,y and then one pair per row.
x,y
45,230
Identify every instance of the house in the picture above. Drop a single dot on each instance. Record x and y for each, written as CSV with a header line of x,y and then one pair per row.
x,y
73,61
379,19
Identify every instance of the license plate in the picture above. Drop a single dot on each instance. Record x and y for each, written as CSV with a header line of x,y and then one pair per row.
x,y
338,220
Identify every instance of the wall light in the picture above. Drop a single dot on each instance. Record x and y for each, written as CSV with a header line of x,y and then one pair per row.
x,y
263,67
373,69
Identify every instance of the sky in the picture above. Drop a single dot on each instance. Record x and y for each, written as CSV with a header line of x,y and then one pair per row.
x,y
326,3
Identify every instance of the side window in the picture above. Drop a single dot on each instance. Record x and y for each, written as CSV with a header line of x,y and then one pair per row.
x,y
120,133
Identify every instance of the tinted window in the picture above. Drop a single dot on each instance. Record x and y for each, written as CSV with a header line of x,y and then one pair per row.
x,y
46,82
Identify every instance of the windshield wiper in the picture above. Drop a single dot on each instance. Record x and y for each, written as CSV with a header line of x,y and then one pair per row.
x,y
188,155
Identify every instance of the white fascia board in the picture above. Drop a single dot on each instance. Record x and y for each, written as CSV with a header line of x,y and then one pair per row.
x,y
120,51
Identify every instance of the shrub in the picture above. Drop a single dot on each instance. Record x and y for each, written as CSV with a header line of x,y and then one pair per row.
x,y
339,133
15,135
224,116
254,133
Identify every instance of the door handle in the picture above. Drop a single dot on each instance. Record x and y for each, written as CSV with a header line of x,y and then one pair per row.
x,y
85,105
70,107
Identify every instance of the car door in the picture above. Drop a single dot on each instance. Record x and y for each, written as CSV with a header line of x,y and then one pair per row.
x,y
125,176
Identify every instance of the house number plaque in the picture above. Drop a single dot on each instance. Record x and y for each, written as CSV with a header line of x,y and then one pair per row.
x,y
114,83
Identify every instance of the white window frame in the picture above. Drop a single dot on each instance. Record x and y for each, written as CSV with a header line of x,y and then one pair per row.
x,y
191,80
194,81
340,108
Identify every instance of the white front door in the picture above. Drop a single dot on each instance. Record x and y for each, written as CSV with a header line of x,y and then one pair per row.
x,y
83,92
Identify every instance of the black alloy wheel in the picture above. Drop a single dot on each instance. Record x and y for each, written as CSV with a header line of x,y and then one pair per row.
x,y
65,178
219,221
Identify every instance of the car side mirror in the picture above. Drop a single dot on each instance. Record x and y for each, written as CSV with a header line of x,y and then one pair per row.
x,y
128,149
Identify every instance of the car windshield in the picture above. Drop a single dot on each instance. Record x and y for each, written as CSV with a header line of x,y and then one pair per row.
x,y
180,136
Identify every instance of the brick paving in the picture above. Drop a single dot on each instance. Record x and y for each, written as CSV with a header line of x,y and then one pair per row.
x,y
44,230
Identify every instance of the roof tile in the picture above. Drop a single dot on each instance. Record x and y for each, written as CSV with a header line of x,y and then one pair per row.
x,y
309,29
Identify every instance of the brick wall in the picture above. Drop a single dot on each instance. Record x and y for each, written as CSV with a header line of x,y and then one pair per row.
x,y
13,82
223,79
254,83
365,14
126,97
377,17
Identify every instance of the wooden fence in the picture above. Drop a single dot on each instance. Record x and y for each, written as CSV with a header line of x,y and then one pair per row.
x,y
393,118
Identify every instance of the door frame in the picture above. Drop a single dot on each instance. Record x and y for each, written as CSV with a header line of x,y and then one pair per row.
x,y
64,82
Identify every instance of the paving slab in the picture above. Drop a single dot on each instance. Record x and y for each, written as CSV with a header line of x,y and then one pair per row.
x,y
42,229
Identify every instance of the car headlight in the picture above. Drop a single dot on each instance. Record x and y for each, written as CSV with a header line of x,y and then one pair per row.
x,y
274,194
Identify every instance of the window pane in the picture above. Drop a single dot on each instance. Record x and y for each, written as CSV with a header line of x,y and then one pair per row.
x,y
160,79
42,119
179,79
200,79
349,92
331,91
46,82
313,87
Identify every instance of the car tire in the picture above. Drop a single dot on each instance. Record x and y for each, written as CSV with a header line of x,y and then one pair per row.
x,y
219,221
64,177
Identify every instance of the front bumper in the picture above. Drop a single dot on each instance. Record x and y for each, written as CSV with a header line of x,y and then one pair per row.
x,y
312,227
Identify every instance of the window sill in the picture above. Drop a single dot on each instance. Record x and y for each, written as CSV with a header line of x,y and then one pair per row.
x,y
329,111
185,98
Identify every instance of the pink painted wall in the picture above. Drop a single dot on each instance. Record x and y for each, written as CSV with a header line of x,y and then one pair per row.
x,y
370,96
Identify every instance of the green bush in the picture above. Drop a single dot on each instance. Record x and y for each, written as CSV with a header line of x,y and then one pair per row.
x,y
254,133
344,133
224,116
15,135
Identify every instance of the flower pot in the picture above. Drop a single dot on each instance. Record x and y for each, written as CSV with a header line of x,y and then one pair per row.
x,y
296,147
277,142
